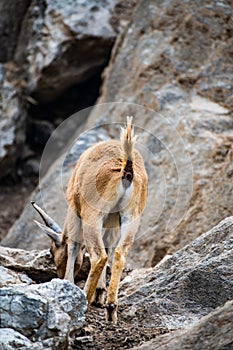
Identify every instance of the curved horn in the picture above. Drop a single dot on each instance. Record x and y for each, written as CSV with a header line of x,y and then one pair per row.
x,y
49,222
56,237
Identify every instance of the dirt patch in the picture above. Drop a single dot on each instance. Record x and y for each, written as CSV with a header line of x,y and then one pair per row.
x,y
98,334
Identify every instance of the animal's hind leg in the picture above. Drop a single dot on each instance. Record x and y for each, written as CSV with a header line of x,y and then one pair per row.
x,y
100,293
98,255
128,230
72,229
79,260
110,235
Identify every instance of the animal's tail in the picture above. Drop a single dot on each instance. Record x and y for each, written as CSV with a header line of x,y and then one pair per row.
x,y
128,140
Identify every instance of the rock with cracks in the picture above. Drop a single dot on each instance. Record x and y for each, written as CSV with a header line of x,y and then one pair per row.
x,y
9,277
11,340
44,313
172,70
64,43
187,295
183,111
213,331
21,266
186,286
12,121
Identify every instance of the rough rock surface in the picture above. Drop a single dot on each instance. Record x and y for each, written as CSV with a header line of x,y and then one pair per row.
x,y
213,331
37,265
186,286
22,266
172,70
64,45
11,340
10,26
8,277
47,312
51,193
180,297
12,122
169,60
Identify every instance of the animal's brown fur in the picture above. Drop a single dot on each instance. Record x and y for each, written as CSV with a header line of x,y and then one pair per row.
x,y
98,201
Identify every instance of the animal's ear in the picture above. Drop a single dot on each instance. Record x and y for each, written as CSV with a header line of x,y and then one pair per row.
x,y
56,237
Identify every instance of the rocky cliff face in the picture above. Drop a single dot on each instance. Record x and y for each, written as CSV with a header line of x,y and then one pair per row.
x,y
175,59
170,68
61,46
10,26
12,120
46,51
169,64
52,56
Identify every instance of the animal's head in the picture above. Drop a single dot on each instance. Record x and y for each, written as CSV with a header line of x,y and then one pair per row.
x,y
58,246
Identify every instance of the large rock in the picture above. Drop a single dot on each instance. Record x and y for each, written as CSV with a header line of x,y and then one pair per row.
x,y
65,43
11,340
180,296
173,66
160,73
22,266
173,42
213,331
186,286
9,277
12,121
12,13
46,312
37,265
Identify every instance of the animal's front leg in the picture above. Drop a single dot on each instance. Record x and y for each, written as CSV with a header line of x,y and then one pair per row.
x,y
109,238
72,251
128,230
98,257
100,293
72,232
117,267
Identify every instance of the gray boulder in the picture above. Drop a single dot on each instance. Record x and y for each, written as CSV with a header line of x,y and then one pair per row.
x,y
22,266
9,277
64,43
46,312
37,265
212,332
10,26
184,287
12,121
11,340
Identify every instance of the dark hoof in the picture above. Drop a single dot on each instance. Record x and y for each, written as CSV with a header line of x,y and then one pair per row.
x,y
97,304
111,312
110,306
99,298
